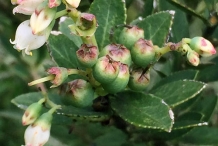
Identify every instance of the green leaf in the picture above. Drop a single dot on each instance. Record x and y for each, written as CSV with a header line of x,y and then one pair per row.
x,y
201,136
109,13
143,110
63,51
208,74
148,8
156,27
63,27
180,75
188,120
83,114
175,93
24,100
179,22
211,4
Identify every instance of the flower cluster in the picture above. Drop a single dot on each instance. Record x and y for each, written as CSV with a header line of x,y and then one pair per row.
x,y
37,29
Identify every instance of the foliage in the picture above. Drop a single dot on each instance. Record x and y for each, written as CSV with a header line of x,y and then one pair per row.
x,y
178,105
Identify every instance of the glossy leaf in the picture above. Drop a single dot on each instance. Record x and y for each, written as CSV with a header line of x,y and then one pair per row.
x,y
63,51
156,27
109,13
177,92
208,74
143,110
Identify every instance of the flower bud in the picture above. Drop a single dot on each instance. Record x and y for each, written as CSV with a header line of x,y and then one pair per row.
x,y
86,25
106,70
38,133
193,57
143,53
82,93
87,55
26,7
130,35
42,17
27,41
202,46
60,73
54,3
139,79
120,83
31,113
118,53
73,3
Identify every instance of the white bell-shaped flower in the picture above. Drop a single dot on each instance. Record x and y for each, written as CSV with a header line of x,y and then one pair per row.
x,y
26,7
26,40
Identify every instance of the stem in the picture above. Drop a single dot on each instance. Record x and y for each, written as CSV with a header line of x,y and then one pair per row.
x,y
48,78
89,40
53,109
60,13
74,14
76,71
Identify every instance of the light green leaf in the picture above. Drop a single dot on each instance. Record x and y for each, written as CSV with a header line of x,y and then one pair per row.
x,y
63,27
63,51
175,93
157,27
143,110
109,13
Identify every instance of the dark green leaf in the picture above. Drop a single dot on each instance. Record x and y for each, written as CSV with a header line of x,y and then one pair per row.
x,y
211,4
180,75
143,110
188,120
83,114
148,8
208,74
175,93
63,27
201,136
179,22
109,13
157,27
63,51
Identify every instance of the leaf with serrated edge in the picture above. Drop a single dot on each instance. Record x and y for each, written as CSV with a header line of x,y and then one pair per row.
x,y
175,93
157,26
109,13
143,110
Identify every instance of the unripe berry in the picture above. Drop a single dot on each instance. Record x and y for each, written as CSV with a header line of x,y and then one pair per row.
x,y
117,52
202,46
120,82
193,57
139,79
106,70
87,55
130,35
82,93
143,53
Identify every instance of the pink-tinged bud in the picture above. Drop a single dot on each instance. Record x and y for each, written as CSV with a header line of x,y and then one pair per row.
x,y
27,41
193,57
120,83
73,3
31,113
139,79
82,93
87,55
130,35
54,3
42,17
143,53
106,70
202,46
26,7
60,73
38,133
86,25
118,53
